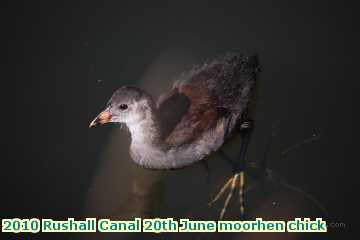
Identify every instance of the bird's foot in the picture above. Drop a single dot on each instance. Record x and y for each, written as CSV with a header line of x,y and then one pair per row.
x,y
236,179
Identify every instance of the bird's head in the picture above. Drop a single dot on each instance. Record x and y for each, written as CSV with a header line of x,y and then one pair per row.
x,y
128,105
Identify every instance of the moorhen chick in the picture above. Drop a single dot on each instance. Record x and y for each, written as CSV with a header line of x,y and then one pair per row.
x,y
204,108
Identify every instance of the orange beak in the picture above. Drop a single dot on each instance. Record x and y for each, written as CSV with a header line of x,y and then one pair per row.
x,y
104,117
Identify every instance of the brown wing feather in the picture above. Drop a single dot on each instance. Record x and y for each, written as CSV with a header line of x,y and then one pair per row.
x,y
200,116
218,90
171,108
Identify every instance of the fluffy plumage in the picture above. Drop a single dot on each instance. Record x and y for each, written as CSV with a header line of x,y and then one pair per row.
x,y
221,88
191,120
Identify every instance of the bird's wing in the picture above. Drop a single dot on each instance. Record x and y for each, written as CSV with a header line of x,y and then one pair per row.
x,y
171,108
217,90
185,114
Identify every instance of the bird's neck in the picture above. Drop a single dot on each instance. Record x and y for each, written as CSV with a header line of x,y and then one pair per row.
x,y
146,147
145,131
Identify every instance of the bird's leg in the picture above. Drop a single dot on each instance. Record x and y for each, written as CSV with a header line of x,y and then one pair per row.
x,y
245,132
239,171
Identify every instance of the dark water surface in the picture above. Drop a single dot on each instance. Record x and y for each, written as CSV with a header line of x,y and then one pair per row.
x,y
65,60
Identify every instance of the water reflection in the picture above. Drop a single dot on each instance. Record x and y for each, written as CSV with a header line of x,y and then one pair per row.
x,y
121,190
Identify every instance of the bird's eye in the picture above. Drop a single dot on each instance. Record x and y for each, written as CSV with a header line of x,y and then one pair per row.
x,y
123,106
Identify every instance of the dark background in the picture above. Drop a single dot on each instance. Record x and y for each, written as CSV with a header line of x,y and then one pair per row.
x,y
65,59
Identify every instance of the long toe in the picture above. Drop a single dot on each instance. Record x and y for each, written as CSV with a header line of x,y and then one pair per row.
x,y
231,185
222,191
229,196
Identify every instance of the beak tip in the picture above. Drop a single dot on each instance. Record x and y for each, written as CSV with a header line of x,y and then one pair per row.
x,y
104,117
